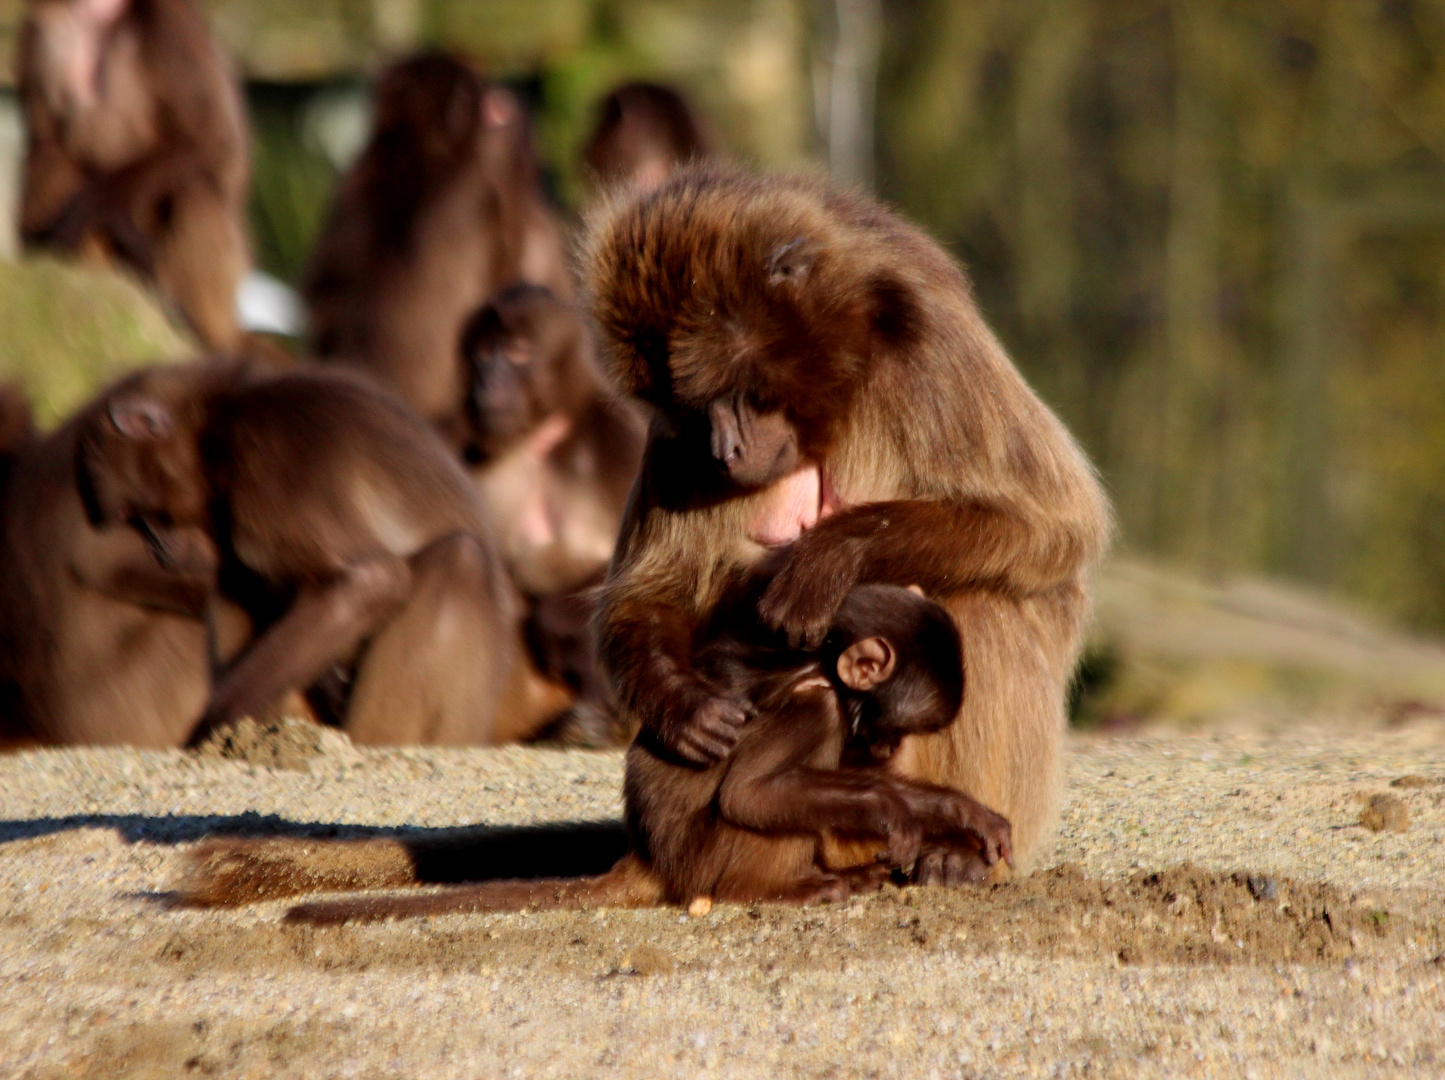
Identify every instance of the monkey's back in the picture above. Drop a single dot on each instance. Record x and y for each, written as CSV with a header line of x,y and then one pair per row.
x,y
337,468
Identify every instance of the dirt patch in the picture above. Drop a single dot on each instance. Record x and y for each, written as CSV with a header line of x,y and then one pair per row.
x,y
1180,916
1385,813
169,1049
288,742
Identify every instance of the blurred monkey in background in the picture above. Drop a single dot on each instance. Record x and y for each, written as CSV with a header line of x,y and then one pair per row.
x,y
442,210
138,150
644,131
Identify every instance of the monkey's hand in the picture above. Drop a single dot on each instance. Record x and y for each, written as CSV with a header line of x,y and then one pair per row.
x,y
816,577
983,838
186,551
707,732
992,832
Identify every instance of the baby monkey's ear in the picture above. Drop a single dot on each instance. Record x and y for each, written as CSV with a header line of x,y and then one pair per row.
x,y
866,663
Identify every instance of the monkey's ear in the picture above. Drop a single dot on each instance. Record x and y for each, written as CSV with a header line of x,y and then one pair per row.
x,y
791,261
866,663
896,316
142,419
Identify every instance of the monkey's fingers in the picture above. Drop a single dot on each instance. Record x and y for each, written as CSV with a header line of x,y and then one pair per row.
x,y
712,731
997,836
903,848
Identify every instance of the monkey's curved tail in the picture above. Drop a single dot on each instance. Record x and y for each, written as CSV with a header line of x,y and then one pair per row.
x,y
628,884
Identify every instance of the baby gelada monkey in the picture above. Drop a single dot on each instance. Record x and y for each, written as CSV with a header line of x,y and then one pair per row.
x,y
811,759
810,762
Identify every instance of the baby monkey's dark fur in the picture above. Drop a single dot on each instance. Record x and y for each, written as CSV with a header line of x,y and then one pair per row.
x,y
810,762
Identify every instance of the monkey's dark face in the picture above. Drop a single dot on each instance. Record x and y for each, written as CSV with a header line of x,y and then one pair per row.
x,y
137,464
754,305
523,361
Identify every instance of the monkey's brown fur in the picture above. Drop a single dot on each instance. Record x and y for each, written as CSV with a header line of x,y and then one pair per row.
x,y
865,338
749,827
791,302
342,525
138,149
97,643
555,452
441,210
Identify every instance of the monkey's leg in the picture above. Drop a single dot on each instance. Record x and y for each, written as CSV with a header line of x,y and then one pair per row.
x,y
442,669
628,884
806,800
200,259
325,623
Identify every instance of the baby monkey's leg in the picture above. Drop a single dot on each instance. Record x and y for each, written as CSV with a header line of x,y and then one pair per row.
x,y
802,800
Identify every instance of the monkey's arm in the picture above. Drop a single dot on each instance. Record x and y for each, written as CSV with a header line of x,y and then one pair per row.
x,y
171,569
117,206
646,647
326,622
941,546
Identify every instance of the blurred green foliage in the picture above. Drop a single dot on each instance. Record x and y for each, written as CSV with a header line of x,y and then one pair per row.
x,y
69,329
1212,232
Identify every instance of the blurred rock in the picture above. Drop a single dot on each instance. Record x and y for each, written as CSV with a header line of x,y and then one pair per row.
x,y
1169,647
71,329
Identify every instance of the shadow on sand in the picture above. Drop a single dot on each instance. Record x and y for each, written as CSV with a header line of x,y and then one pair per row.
x,y
463,853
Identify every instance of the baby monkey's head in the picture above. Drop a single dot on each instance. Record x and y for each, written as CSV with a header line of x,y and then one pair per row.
x,y
897,662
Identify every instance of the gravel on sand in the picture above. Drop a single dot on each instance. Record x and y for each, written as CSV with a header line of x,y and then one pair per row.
x,y
1214,906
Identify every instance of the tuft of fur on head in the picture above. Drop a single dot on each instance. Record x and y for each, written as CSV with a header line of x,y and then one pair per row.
x,y
801,284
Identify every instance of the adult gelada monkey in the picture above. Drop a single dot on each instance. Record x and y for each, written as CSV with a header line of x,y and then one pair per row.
x,y
644,132
749,827
138,149
342,526
98,643
801,341
441,210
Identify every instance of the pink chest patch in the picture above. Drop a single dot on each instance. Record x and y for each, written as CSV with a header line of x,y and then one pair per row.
x,y
791,506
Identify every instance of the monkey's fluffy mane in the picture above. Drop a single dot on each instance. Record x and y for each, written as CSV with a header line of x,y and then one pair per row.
x,y
690,263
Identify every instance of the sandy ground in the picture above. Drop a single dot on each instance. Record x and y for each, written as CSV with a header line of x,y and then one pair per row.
x,y
1213,908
